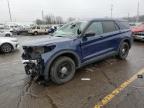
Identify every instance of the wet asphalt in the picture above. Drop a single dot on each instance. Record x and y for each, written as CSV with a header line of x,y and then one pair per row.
x,y
18,91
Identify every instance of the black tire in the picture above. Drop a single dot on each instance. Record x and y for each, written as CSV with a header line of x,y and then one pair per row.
x,y
123,51
7,35
18,33
35,33
62,70
6,48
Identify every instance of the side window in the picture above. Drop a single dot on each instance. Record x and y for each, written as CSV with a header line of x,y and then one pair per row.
x,y
109,26
43,28
33,27
38,27
124,25
95,27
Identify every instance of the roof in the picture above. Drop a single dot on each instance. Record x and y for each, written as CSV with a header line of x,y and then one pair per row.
x,y
107,19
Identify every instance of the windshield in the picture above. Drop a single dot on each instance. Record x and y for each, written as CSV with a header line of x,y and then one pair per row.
x,y
70,29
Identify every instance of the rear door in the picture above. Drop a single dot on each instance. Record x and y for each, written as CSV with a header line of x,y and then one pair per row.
x,y
43,29
38,29
112,34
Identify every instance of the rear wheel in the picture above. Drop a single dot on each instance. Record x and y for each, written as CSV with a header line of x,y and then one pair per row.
x,y
6,48
35,33
7,35
62,70
123,51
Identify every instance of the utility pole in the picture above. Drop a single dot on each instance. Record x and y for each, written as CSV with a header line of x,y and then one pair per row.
x,y
42,15
111,10
9,10
128,17
137,19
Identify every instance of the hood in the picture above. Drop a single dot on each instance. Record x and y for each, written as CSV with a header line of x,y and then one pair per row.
x,y
46,41
8,39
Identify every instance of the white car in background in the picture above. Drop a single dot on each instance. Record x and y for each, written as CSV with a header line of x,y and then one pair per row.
x,y
8,44
35,30
5,32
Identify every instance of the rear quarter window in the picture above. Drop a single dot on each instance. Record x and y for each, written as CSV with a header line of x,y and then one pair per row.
x,y
124,25
109,26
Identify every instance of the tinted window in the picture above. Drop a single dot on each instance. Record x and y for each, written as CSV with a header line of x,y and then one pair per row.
x,y
33,27
124,25
43,28
38,27
109,26
95,27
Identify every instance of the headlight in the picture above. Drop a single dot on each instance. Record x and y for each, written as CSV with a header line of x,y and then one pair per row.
x,y
38,50
43,49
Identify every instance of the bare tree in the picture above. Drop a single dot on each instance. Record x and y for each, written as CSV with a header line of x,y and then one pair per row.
x,y
39,22
70,19
59,20
50,19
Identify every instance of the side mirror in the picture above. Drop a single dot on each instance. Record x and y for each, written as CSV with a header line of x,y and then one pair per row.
x,y
89,34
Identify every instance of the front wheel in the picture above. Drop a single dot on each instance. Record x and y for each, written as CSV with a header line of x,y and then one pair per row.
x,y
7,35
35,33
6,48
62,70
123,50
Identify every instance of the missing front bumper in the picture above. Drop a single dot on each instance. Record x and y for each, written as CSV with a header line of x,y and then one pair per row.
x,y
34,67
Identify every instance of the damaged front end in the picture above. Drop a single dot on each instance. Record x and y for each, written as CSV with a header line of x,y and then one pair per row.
x,y
33,60
34,64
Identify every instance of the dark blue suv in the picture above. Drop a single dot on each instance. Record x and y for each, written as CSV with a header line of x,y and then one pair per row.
x,y
74,45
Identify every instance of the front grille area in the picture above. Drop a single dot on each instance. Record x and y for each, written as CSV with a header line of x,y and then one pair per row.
x,y
139,33
32,68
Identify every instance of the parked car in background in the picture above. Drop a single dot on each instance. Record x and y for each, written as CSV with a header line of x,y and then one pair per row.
x,y
74,45
35,30
5,32
134,24
8,44
138,32
20,30
52,29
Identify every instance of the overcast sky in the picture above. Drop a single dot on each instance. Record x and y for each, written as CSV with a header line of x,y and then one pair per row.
x,y
29,10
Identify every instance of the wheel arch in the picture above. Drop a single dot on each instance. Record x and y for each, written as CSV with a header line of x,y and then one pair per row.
x,y
7,34
125,40
35,32
128,41
67,53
